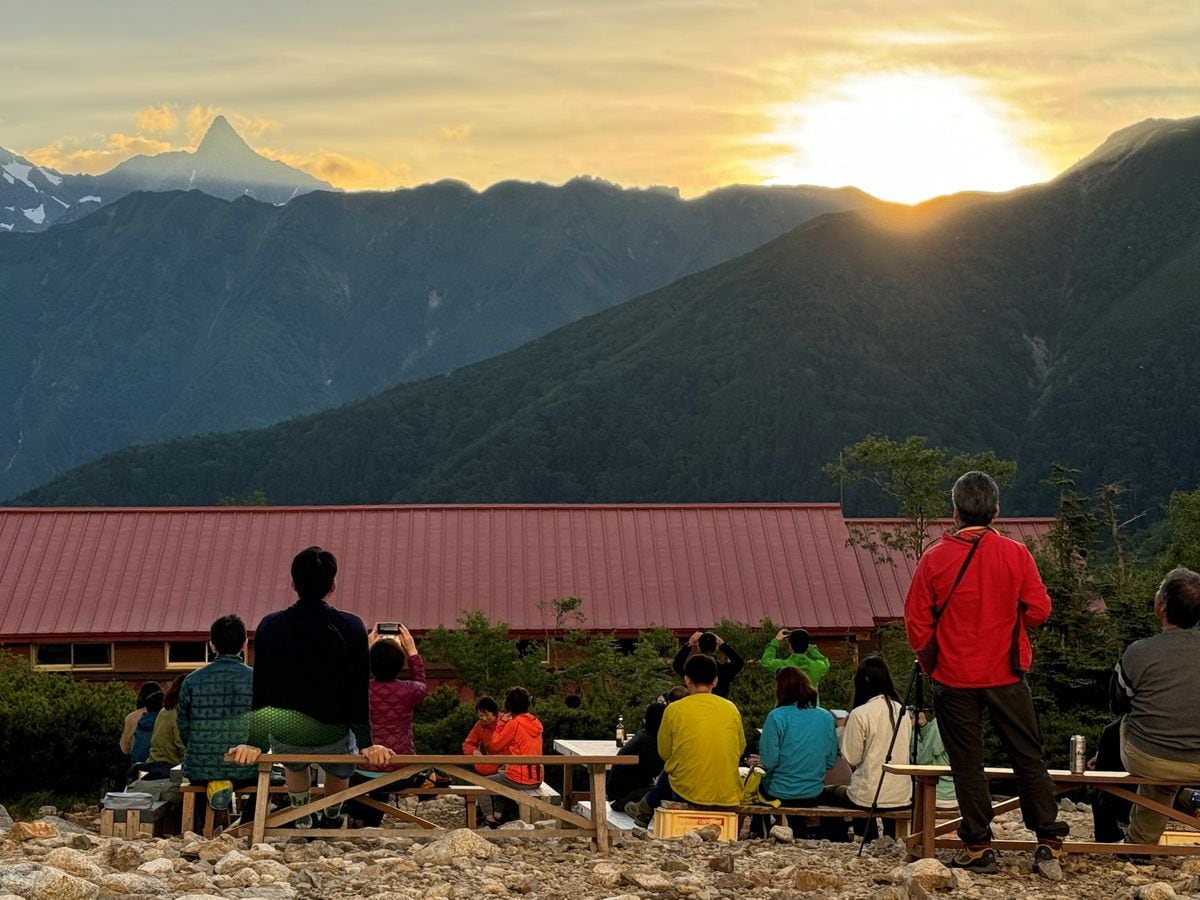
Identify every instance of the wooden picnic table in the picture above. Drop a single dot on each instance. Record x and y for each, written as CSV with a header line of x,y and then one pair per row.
x,y
460,768
927,830
577,748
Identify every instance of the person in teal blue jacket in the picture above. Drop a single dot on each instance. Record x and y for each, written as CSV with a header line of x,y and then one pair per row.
x,y
932,752
803,654
798,745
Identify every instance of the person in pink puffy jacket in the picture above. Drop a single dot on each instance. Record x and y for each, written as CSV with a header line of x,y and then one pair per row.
x,y
393,702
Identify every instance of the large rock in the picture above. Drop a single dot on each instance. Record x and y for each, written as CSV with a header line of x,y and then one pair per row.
x,y
782,834
31,831
231,862
132,883
211,851
1159,890
73,863
462,843
721,863
53,884
606,874
814,880
6,821
653,882
929,874
157,868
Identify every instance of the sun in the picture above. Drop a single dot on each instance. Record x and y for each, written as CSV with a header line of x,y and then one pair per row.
x,y
904,136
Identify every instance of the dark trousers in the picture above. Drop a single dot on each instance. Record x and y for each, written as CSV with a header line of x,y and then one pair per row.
x,y
761,825
1010,710
1110,814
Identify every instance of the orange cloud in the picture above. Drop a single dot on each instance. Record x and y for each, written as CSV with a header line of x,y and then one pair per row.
x,y
156,120
348,172
67,155
457,132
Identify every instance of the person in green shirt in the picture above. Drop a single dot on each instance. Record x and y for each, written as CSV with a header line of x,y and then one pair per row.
x,y
802,654
932,752
166,744
701,742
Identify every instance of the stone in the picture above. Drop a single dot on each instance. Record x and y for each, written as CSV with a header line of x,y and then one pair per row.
x,y
915,891
606,874
218,847
734,882
52,884
814,880
639,833
691,839
124,856
47,811
517,825
6,821
891,893
1066,804
721,863
929,873
1159,890
73,863
31,831
709,832
782,834
157,868
272,870
962,880
673,864
231,862
132,883
648,881
461,843
63,826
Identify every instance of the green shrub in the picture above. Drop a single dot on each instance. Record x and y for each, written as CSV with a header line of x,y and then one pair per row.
x,y
58,734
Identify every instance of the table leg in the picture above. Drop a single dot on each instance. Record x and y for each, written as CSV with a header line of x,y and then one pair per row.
x,y
599,792
928,793
472,811
189,812
262,805
568,791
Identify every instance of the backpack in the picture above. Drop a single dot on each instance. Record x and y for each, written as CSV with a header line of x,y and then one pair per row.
x,y
140,751
751,793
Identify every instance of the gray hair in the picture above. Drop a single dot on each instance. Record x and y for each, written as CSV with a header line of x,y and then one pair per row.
x,y
975,496
1179,594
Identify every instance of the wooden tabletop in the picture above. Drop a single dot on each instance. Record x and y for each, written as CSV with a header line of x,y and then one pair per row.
x,y
579,748
446,759
1062,776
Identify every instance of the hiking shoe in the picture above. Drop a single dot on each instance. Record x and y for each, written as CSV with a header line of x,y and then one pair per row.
x,y
1047,862
981,861
1138,859
339,821
639,811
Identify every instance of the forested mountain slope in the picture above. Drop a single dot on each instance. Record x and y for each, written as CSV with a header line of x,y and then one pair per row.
x,y
1056,323
169,314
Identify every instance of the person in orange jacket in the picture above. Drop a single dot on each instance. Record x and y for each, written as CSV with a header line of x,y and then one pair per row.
x,y
517,733
478,741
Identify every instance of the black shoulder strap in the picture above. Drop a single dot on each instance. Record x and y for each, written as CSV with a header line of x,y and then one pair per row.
x,y
937,611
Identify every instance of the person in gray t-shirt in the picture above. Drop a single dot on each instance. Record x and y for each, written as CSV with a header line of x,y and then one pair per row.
x,y
1155,685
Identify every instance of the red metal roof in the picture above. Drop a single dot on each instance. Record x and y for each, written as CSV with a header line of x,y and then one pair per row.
x,y
887,581
168,572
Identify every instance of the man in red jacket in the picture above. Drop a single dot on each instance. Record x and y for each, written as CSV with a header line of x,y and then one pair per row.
x,y
982,655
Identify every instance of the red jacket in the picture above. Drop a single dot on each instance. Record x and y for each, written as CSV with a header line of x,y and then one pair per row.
x,y
519,736
975,632
480,738
392,707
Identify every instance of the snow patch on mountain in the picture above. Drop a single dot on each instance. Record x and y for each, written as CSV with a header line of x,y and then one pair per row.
x,y
37,215
19,172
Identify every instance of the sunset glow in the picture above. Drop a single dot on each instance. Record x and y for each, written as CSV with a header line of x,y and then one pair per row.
x,y
904,137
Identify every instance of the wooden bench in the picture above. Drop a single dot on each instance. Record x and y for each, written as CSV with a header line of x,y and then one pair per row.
x,y
902,817
929,833
462,769
543,791
191,791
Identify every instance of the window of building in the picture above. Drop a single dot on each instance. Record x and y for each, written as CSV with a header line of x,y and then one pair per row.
x,y
72,656
187,654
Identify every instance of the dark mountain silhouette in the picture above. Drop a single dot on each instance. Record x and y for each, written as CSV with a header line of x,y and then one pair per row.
x,y
168,314
1056,323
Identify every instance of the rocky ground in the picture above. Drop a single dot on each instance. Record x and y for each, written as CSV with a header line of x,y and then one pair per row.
x,y
58,858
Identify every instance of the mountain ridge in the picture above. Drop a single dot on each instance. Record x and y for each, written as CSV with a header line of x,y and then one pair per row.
x,y
739,381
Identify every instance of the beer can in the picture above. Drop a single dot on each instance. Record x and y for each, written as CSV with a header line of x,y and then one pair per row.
x,y
1078,754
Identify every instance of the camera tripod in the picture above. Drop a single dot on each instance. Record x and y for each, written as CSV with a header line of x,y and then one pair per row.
x,y
914,699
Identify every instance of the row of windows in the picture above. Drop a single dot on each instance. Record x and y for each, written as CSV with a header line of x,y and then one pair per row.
x,y
179,655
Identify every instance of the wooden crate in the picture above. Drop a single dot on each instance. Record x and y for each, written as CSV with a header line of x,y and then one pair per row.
x,y
1174,837
676,822
128,823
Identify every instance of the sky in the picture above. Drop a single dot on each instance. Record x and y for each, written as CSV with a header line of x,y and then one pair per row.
x,y
903,99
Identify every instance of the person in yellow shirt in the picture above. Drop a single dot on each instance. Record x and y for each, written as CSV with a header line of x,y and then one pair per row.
x,y
701,742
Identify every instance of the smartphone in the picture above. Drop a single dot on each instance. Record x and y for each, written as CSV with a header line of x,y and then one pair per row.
x,y
387,628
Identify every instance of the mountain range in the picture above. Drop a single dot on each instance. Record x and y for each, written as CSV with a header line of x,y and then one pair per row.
x,y
1053,323
33,198
167,314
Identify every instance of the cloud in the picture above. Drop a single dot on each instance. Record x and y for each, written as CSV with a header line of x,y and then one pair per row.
x,y
340,170
68,154
458,132
156,120
198,119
